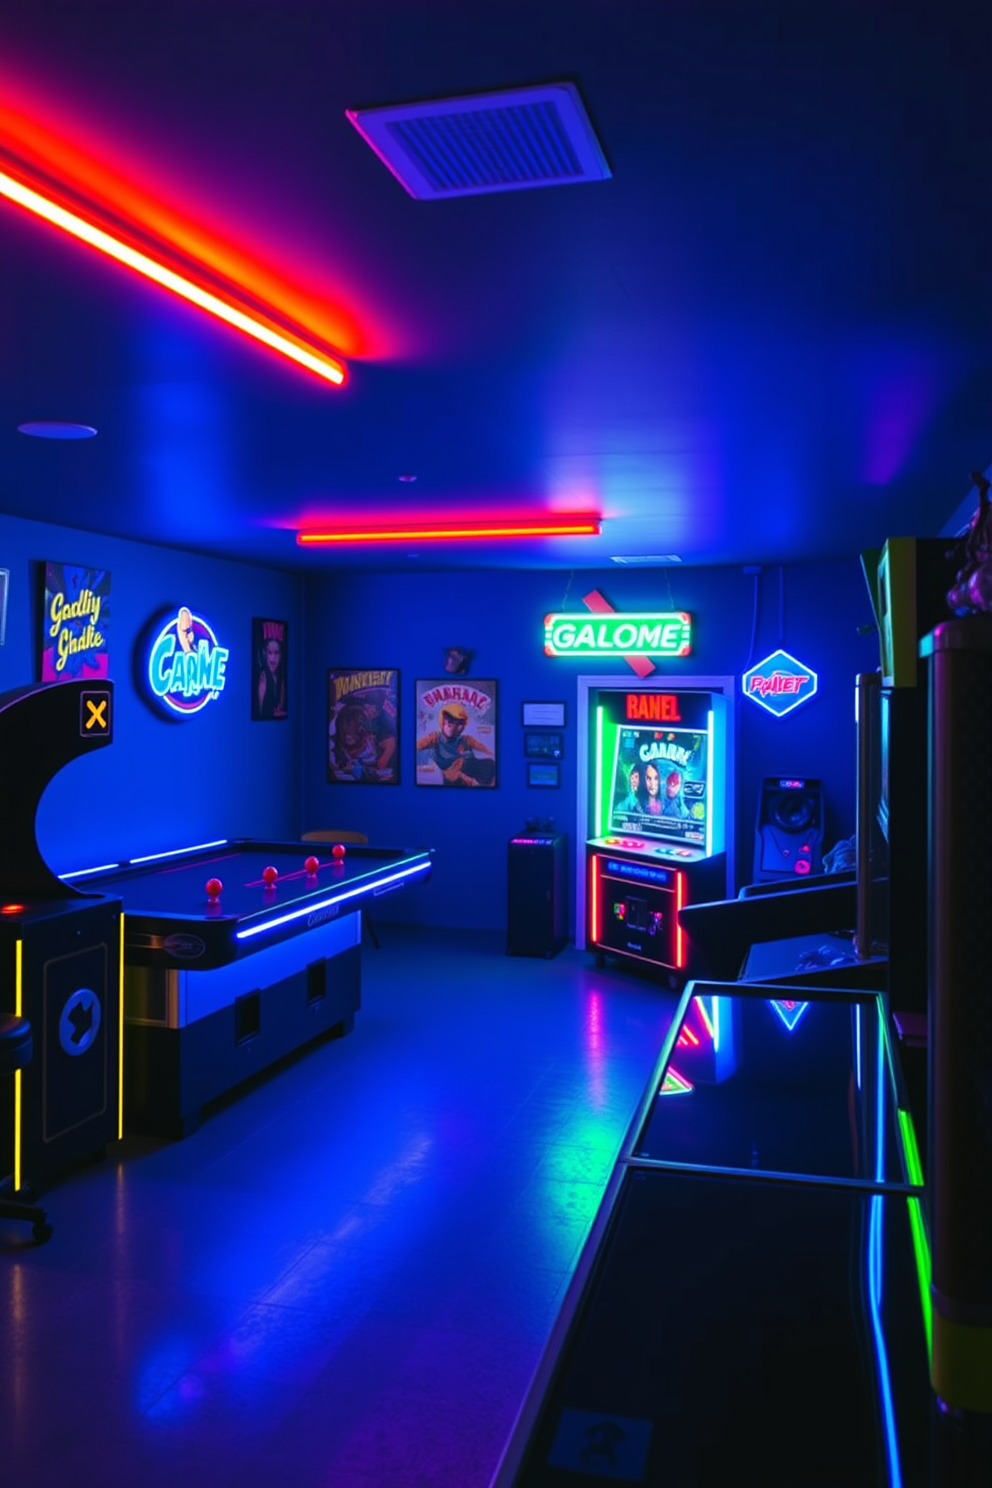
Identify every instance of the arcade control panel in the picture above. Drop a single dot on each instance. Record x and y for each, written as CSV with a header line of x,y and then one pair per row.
x,y
672,852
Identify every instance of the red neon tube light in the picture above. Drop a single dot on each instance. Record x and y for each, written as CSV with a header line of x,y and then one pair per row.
x,y
542,527
594,897
319,362
679,933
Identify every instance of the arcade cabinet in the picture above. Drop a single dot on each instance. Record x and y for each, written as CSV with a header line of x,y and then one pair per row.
x,y
907,580
60,949
536,879
658,811
788,838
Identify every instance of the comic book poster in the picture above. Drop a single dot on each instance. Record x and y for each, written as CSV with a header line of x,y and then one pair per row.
x,y
76,623
270,659
456,733
363,705
660,783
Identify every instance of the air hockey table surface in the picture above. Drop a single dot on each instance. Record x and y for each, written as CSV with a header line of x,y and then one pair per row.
x,y
171,919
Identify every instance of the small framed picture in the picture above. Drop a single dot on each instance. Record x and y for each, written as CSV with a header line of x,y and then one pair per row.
x,y
543,745
270,660
543,774
543,715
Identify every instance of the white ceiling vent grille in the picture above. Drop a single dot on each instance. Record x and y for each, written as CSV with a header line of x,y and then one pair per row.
x,y
507,141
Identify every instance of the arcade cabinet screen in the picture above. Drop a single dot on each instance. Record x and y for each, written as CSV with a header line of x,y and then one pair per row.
x,y
660,784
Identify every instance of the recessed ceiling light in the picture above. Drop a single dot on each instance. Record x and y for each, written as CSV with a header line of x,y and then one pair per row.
x,y
56,429
649,558
234,311
406,478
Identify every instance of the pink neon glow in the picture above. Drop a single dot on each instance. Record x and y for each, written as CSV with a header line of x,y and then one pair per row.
x,y
679,933
596,1052
106,175
595,601
594,899
675,1084
257,324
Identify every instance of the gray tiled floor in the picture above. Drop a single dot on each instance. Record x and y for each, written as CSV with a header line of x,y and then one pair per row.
x,y
346,1277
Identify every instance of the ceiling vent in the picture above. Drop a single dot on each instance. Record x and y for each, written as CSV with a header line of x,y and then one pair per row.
x,y
506,141
652,560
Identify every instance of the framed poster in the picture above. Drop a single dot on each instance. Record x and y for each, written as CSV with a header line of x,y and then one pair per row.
x,y
270,658
363,726
75,624
456,733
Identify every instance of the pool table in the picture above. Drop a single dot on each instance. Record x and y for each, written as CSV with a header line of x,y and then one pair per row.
x,y
230,968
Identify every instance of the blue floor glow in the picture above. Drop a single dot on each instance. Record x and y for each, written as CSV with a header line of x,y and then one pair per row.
x,y
345,1278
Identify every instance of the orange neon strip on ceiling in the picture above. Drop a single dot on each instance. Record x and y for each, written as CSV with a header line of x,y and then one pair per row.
x,y
546,527
33,201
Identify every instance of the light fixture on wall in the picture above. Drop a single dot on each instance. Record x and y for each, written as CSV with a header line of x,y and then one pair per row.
x,y
571,526
56,429
246,320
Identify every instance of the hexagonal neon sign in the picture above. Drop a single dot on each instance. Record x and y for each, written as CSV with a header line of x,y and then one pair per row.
x,y
779,683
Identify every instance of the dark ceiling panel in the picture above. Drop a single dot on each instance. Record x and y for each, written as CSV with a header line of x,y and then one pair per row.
x,y
767,337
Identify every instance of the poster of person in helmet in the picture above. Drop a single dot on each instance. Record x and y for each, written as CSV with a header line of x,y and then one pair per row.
x,y
456,733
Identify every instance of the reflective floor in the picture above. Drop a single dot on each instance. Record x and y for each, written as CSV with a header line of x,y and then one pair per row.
x,y
345,1278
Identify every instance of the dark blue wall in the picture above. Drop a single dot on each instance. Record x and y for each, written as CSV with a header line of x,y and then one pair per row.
x,y
408,620
161,785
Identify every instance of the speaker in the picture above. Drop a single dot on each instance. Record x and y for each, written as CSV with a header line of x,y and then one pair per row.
x,y
788,839
536,906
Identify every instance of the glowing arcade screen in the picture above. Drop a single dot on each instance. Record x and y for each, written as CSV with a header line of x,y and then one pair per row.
x,y
657,772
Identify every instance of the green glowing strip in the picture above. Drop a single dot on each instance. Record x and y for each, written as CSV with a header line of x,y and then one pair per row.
x,y
921,1246
914,1168
598,823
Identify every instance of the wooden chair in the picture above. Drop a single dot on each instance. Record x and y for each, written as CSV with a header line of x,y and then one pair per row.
x,y
334,834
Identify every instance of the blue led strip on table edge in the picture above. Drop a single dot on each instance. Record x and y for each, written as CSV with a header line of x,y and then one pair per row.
x,y
312,908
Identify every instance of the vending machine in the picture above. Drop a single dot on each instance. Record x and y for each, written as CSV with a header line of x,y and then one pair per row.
x,y
658,790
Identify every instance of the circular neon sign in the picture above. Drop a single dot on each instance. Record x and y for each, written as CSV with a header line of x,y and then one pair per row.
x,y
186,666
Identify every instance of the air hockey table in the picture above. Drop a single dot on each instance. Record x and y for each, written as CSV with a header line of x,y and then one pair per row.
x,y
237,954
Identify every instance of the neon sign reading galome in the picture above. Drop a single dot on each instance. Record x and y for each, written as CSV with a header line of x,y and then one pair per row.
x,y
663,633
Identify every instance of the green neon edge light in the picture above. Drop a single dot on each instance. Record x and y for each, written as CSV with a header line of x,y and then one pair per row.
x,y
598,788
652,633
914,1172
921,1247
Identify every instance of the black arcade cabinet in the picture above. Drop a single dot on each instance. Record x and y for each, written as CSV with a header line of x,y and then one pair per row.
x,y
659,793
60,949
788,842
536,904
